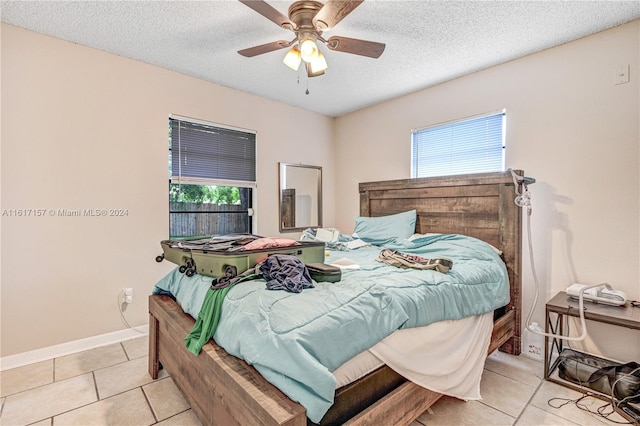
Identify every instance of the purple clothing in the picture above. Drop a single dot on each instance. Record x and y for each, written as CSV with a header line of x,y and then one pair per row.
x,y
286,272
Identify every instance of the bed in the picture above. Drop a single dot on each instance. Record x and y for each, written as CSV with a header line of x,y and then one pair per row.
x,y
223,389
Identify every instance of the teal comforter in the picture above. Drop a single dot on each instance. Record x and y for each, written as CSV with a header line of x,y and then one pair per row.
x,y
296,340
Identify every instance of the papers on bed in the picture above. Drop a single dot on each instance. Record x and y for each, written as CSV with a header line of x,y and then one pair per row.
x,y
345,263
328,235
333,239
354,244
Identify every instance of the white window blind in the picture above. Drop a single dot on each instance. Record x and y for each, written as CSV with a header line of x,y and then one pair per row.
x,y
473,145
207,153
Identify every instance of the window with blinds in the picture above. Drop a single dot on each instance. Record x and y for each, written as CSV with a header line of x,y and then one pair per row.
x,y
473,145
212,175
203,152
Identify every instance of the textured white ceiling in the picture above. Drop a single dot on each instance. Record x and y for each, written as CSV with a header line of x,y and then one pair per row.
x,y
427,42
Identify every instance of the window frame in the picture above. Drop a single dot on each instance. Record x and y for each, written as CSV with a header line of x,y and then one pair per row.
x,y
451,125
190,180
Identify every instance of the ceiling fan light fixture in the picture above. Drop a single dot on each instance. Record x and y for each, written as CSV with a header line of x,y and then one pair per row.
x,y
308,20
292,58
319,64
308,50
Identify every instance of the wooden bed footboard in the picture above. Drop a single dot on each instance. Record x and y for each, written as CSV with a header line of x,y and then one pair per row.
x,y
225,390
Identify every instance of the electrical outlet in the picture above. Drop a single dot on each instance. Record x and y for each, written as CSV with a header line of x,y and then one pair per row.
x,y
127,295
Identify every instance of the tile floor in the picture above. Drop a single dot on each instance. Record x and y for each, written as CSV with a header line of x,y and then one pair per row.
x,y
110,386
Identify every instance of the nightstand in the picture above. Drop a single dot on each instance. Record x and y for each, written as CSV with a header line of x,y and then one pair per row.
x,y
562,305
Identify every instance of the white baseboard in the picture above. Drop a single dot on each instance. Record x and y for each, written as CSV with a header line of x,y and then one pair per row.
x,y
25,358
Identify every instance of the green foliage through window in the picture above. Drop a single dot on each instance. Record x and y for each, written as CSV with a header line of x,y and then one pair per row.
x,y
184,193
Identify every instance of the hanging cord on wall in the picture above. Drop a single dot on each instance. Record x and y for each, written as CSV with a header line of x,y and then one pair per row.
x,y
523,200
121,304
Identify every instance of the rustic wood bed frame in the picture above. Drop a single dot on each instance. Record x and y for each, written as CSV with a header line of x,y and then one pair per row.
x,y
225,390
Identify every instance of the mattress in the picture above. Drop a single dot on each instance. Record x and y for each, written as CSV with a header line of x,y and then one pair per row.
x,y
296,341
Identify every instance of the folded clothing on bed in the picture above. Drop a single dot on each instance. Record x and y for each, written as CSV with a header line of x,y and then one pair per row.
x,y
285,272
295,340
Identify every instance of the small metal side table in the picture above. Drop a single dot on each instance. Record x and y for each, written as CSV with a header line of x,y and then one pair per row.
x,y
562,305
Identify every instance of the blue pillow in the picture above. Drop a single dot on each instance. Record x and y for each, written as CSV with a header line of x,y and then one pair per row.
x,y
400,225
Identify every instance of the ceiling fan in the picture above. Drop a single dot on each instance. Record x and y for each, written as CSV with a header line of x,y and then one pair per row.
x,y
308,19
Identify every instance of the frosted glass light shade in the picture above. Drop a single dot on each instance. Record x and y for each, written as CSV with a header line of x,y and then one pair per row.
x,y
319,64
292,58
308,50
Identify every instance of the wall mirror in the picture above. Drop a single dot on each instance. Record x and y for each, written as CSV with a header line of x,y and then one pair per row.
x,y
300,191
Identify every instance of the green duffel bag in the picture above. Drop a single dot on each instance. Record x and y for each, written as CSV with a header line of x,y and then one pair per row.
x,y
621,381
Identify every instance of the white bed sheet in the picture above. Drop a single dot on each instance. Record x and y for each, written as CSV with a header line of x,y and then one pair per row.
x,y
447,357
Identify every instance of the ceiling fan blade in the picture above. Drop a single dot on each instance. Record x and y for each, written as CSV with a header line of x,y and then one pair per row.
x,y
333,12
269,12
311,73
371,49
264,48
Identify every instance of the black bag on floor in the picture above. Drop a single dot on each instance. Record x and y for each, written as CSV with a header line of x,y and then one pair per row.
x,y
622,381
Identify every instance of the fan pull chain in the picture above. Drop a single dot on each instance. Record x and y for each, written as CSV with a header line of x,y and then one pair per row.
x,y
307,91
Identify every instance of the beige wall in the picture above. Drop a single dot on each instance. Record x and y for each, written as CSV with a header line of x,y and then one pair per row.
x,y
84,129
568,126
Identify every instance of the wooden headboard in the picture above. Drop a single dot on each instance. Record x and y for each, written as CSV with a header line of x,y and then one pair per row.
x,y
479,205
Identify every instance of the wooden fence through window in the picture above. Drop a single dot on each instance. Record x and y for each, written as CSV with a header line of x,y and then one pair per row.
x,y
191,219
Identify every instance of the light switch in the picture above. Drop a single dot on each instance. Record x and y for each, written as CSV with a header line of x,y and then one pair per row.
x,y
621,74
